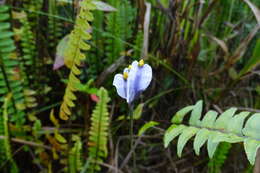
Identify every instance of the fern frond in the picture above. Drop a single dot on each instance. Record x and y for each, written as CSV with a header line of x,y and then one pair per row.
x,y
27,38
74,55
11,80
116,27
75,160
54,25
7,145
27,66
228,127
138,44
34,7
99,131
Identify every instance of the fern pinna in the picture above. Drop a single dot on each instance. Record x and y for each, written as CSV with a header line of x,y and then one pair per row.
x,y
74,55
98,132
228,127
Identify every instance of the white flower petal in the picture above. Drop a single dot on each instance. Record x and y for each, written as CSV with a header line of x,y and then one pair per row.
x,y
120,85
145,78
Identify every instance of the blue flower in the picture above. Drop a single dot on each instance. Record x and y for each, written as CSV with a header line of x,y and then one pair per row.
x,y
135,79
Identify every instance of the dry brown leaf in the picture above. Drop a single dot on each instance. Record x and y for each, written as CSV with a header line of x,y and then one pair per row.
x,y
221,43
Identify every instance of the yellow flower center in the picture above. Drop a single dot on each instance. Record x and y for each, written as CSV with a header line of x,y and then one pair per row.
x,y
125,75
141,63
129,67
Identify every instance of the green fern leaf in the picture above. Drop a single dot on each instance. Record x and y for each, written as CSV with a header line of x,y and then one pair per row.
x,y
228,127
74,55
99,131
7,145
75,160
11,79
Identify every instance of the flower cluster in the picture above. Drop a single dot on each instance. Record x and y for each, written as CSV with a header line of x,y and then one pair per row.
x,y
135,79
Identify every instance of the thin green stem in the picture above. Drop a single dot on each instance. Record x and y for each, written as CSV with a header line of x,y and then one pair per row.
x,y
132,133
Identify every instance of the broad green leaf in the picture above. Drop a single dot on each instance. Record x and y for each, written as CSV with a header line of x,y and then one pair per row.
x,y
184,137
252,127
178,117
223,120
200,138
173,131
251,147
196,113
146,126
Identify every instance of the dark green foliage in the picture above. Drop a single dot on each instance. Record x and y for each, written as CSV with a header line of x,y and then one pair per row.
x,y
27,41
10,78
215,164
54,25
75,160
118,34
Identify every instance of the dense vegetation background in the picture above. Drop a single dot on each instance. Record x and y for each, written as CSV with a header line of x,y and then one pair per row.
x,y
69,118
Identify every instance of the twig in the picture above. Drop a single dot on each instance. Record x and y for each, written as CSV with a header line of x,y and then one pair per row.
x,y
21,141
130,153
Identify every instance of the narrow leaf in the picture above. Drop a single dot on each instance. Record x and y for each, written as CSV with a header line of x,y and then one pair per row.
x,y
146,126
